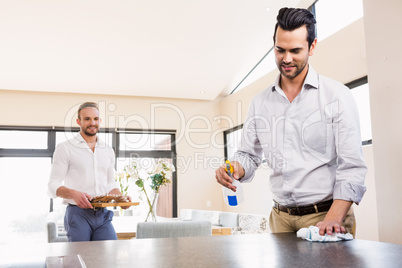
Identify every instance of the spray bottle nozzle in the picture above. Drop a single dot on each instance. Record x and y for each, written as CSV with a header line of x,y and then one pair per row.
x,y
229,168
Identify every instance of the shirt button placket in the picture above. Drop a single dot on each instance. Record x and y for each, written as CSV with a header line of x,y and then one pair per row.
x,y
287,150
96,174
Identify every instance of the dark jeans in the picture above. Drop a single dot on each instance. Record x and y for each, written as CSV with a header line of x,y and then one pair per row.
x,y
88,224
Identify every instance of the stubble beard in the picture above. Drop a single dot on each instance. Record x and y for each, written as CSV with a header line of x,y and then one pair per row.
x,y
297,71
86,132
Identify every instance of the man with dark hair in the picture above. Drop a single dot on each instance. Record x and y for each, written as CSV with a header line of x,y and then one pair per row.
x,y
83,167
307,127
289,19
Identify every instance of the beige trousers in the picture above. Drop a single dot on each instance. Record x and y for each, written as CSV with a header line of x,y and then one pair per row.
x,y
282,222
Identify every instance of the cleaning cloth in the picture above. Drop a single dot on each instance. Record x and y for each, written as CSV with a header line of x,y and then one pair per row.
x,y
312,234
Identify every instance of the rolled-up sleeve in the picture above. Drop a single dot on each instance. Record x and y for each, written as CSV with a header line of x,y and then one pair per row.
x,y
351,171
59,170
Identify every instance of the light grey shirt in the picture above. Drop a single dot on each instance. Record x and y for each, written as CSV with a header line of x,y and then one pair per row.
x,y
77,167
312,144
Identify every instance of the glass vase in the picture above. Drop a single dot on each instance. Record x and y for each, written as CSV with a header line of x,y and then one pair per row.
x,y
151,216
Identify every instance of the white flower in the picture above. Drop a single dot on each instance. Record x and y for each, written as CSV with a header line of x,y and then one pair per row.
x,y
170,167
162,165
133,175
119,174
157,168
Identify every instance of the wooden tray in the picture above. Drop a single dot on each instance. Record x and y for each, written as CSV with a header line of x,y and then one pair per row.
x,y
121,204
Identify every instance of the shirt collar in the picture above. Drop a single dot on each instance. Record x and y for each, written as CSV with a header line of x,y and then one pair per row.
x,y
80,140
311,80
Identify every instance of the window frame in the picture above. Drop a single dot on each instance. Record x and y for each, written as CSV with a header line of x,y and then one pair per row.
x,y
28,152
225,138
356,83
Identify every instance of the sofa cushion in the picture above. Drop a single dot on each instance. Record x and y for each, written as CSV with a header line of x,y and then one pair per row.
x,y
197,215
212,216
253,223
186,214
229,219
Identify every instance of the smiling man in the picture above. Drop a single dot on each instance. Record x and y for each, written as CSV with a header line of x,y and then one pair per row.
x,y
307,127
83,167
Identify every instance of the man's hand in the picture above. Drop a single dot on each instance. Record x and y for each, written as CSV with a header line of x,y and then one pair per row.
x,y
129,200
116,191
224,179
81,199
333,220
327,226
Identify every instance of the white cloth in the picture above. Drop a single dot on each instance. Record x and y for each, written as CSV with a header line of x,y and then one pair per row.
x,y
312,234
77,167
312,144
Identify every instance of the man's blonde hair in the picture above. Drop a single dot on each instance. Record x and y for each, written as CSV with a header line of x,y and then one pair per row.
x,y
87,105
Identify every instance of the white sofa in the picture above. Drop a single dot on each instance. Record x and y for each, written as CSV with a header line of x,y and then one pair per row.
x,y
173,229
55,229
240,223
55,224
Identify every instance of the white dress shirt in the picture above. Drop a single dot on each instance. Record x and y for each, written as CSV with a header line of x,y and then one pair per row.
x,y
312,144
76,167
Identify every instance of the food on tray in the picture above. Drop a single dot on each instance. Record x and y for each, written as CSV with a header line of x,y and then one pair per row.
x,y
121,199
109,199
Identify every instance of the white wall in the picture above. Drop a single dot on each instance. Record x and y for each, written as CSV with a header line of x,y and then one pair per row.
x,y
366,212
382,23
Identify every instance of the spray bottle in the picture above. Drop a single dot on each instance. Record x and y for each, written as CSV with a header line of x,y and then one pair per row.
x,y
232,198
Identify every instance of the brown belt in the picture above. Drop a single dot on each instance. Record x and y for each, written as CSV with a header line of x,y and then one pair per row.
x,y
305,210
94,208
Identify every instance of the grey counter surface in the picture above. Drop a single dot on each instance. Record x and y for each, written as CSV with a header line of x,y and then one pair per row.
x,y
260,250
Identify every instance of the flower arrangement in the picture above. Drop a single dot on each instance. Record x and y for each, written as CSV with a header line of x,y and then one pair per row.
x,y
123,178
156,176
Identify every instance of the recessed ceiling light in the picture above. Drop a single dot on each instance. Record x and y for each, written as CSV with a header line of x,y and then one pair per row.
x,y
267,9
202,92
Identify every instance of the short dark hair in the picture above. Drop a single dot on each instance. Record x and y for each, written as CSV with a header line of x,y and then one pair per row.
x,y
290,19
87,105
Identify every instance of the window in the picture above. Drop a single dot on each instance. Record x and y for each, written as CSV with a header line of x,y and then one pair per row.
x,y
144,141
147,147
361,94
12,139
25,162
264,66
232,139
23,193
332,16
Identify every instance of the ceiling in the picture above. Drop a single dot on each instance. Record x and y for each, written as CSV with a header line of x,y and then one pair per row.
x,y
192,49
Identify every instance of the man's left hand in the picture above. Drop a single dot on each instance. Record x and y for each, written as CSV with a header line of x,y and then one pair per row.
x,y
116,191
330,227
129,200
334,218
